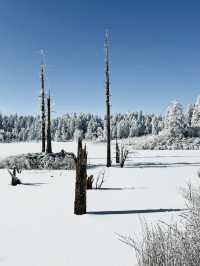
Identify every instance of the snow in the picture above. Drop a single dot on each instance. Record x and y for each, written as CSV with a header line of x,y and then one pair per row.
x,y
37,224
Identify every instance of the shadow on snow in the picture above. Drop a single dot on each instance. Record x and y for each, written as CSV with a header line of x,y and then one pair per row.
x,y
160,165
32,184
119,212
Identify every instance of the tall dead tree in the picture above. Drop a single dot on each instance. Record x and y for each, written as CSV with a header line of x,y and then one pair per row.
x,y
81,180
49,146
107,89
42,105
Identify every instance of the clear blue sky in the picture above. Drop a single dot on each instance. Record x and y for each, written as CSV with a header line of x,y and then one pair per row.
x,y
154,53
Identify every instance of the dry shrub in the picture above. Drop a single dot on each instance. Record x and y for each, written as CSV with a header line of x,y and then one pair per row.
x,y
171,245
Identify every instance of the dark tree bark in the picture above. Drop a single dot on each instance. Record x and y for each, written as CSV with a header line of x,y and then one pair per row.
x,y
42,105
90,180
15,180
49,146
81,180
107,88
117,152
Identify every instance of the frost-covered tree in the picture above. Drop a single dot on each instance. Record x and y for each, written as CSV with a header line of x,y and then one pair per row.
x,y
28,128
122,129
155,125
147,125
174,119
78,134
188,115
134,129
195,120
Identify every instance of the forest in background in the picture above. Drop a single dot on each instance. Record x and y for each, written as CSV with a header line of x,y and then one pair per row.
x,y
71,126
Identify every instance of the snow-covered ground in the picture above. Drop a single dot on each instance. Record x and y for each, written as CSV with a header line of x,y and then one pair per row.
x,y
37,224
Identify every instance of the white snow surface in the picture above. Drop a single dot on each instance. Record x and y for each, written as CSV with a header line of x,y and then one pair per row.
x,y
37,224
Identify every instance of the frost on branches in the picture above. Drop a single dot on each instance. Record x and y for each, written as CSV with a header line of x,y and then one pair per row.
x,y
175,120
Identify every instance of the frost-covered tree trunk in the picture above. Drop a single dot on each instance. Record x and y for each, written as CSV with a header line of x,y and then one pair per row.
x,y
42,106
49,146
81,180
107,88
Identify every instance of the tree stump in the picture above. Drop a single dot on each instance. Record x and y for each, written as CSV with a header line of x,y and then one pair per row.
x,y
81,180
117,153
90,180
15,180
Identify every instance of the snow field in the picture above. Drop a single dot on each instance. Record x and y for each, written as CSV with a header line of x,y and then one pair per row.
x,y
37,224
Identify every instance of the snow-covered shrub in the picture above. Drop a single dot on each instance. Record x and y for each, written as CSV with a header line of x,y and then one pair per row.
x,y
165,142
99,179
177,244
60,160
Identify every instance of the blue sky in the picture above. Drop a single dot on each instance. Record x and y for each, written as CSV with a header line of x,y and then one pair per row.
x,y
154,54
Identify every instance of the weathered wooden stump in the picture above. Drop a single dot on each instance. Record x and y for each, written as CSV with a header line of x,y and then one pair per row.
x,y
15,181
90,180
81,180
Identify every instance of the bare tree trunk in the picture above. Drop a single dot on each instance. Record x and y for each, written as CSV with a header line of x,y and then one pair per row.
x,y
107,88
81,180
117,152
49,146
42,105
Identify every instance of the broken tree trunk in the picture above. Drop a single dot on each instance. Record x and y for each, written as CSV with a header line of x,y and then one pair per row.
x,y
43,106
117,152
81,180
49,146
107,89
90,180
15,180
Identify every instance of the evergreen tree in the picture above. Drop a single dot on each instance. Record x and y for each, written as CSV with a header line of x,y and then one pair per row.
x,y
174,120
195,120
154,123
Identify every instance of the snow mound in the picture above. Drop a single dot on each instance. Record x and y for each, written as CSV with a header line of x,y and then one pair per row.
x,y
29,161
165,142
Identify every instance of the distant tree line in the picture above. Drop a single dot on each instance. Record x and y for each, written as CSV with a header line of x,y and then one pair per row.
x,y
70,126
93,127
